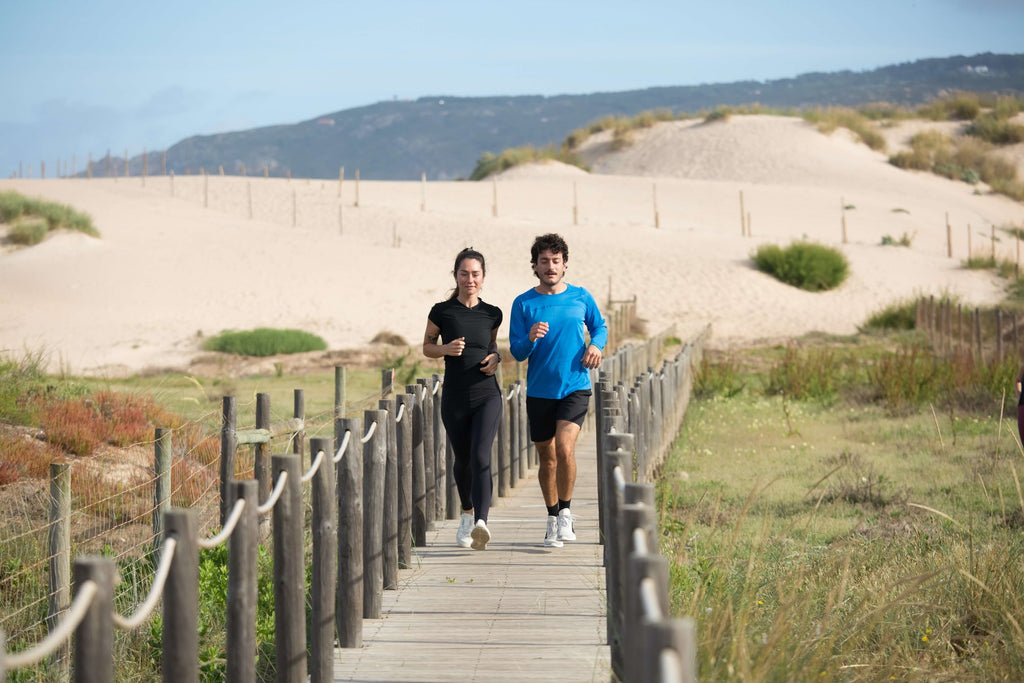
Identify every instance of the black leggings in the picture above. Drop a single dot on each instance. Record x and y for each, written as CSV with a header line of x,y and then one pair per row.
x,y
472,425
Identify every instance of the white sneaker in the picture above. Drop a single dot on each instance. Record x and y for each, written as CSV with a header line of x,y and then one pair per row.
x,y
565,530
463,537
480,534
551,534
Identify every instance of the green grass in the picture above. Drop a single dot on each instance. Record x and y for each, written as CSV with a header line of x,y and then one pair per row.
x,y
837,540
14,207
264,341
831,118
809,266
490,164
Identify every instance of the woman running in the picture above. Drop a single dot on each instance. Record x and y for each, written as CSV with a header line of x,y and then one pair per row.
x,y
471,401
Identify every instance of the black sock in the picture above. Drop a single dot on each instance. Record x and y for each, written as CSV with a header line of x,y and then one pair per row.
x,y
553,510
563,504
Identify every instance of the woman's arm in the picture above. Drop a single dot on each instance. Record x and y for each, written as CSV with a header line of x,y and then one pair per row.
x,y
431,349
489,365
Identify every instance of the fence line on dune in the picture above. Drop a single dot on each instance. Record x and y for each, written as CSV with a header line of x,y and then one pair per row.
x,y
987,336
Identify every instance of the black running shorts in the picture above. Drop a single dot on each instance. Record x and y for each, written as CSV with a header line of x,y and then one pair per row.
x,y
544,413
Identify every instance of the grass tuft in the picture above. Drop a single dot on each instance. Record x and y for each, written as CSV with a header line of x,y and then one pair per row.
x,y
264,341
809,266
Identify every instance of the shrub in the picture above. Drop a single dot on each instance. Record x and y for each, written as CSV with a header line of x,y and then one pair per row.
x,y
14,206
28,231
489,163
809,266
829,119
904,241
265,341
998,131
901,315
717,378
805,375
959,107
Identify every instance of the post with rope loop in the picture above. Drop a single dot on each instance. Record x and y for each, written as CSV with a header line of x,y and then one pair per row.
x,y
390,502
299,438
508,472
374,463
429,454
228,447
243,585
419,491
446,496
405,403
618,452
635,516
325,563
261,462
289,572
93,649
181,598
524,445
600,397
349,616
501,471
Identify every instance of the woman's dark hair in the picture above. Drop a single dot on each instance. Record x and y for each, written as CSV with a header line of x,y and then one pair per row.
x,y
467,253
552,242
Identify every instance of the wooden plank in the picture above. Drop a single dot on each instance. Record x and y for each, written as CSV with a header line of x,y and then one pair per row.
x,y
515,612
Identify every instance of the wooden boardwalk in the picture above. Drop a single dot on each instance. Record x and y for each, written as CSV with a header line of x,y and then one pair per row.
x,y
515,612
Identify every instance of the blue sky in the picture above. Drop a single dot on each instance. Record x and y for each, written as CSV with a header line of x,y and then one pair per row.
x,y
83,77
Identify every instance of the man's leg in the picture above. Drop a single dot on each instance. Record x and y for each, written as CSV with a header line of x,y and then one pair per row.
x,y
566,434
547,469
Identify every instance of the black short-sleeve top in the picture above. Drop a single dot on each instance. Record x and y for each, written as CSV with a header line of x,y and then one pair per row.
x,y
456,320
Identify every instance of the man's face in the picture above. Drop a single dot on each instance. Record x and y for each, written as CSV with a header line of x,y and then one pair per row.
x,y
550,268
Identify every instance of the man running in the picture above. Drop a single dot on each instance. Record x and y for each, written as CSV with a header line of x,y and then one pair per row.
x,y
547,326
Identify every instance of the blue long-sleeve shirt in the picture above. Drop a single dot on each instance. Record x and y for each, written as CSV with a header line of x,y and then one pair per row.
x,y
556,359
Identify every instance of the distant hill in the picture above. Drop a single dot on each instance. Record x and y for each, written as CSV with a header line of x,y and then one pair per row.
x,y
444,136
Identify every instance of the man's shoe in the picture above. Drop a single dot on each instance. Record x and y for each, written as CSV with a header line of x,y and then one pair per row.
x,y
463,537
565,531
551,535
480,534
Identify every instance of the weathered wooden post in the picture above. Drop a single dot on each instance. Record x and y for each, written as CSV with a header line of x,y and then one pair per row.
x,y
619,450
501,467
508,474
640,566
289,573
162,464
325,562
243,585
340,389
429,454
406,404
261,460
228,446
94,638
350,533
60,561
181,600
390,502
374,463
419,490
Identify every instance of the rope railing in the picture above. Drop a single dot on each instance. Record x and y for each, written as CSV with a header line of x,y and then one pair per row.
x,y
55,639
341,449
142,612
308,476
369,433
282,479
401,412
226,530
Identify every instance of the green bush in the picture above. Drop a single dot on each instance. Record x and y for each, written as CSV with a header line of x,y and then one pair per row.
x,y
489,163
28,231
809,266
901,315
998,131
829,119
265,341
814,374
14,206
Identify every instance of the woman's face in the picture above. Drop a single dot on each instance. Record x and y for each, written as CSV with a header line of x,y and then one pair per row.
x,y
469,276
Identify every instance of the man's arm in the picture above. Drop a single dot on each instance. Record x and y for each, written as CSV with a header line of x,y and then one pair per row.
x,y
519,332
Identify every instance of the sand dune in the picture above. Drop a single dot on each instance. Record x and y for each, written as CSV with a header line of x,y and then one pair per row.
x,y
169,271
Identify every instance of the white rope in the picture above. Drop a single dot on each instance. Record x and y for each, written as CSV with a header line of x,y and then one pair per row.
x,y
314,467
229,526
671,666
274,495
620,481
649,599
341,450
155,591
48,645
369,432
401,412
639,541
437,387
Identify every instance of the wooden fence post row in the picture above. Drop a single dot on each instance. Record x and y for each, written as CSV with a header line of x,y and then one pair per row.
x,y
989,336
636,426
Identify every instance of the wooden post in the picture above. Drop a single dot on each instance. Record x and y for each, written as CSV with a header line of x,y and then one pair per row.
x,y
228,446
181,599
289,573
243,585
94,638
60,561
390,502
340,381
406,404
299,413
242,171
842,213
429,454
374,462
325,563
356,202
508,474
501,467
654,191
288,174
162,464
163,162
261,461
419,482
494,203
350,534
341,179
949,237
619,452
743,217
42,170
266,171
575,205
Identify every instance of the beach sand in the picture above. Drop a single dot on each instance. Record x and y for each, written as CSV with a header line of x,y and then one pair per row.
x,y
180,259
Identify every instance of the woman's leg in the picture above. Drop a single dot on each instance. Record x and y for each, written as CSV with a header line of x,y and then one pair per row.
x,y
485,426
458,423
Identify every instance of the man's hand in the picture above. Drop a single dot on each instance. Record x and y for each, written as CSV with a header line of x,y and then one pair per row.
x,y
591,357
537,331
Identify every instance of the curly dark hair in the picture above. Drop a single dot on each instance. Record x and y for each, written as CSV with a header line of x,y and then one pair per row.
x,y
552,242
